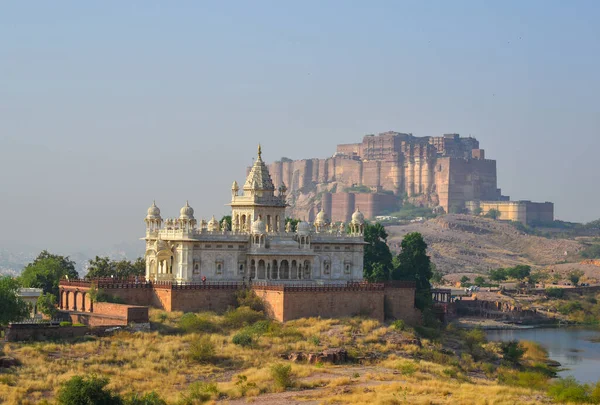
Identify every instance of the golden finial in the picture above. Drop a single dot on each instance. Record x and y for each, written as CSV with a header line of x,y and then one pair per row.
x,y
259,151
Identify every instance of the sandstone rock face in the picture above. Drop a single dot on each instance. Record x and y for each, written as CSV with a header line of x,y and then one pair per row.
x,y
333,356
376,173
8,362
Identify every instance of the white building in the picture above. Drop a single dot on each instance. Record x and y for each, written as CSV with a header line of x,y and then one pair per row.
x,y
259,246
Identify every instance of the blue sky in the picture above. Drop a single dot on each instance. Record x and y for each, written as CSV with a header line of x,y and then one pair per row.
x,y
105,106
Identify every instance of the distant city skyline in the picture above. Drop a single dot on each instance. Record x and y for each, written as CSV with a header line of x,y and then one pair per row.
x,y
105,107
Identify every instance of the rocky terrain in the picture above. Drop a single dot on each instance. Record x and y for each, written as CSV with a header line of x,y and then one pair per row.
x,y
468,244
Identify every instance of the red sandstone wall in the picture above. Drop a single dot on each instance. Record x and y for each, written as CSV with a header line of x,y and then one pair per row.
x,y
332,304
131,313
197,300
400,304
273,302
20,332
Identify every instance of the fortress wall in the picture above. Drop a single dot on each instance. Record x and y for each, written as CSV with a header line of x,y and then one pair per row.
x,y
540,212
366,204
342,206
333,304
323,172
509,210
349,149
348,172
371,175
460,180
391,176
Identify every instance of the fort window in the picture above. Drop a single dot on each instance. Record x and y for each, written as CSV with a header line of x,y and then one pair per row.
x,y
241,268
337,248
219,246
229,246
347,248
219,267
208,246
347,268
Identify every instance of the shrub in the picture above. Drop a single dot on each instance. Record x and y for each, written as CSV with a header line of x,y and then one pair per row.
x,y
243,339
314,340
407,368
242,316
104,297
199,392
190,322
570,307
90,390
525,379
555,292
202,350
78,324
474,338
248,298
64,323
150,398
282,375
512,351
569,390
260,327
399,324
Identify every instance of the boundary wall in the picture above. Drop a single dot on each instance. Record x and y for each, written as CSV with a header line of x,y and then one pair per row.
x,y
283,302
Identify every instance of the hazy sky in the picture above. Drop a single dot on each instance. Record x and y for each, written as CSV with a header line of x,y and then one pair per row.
x,y
105,106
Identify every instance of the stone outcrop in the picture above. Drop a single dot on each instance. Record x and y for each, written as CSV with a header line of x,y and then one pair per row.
x,y
377,173
333,356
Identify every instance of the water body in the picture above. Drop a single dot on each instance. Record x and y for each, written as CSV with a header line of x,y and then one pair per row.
x,y
571,347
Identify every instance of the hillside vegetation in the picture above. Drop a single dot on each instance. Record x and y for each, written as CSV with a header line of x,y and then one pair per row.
x,y
469,244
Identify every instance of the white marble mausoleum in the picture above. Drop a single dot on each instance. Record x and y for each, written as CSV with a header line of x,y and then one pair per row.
x,y
258,246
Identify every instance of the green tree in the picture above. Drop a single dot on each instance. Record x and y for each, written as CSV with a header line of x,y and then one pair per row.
x,y
464,280
477,211
104,267
12,307
437,276
413,263
479,281
46,271
293,223
378,258
498,275
493,213
519,272
46,304
574,276
87,391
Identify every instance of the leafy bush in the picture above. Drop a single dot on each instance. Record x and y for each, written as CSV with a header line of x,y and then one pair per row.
x,y
242,316
399,324
555,292
569,390
199,392
150,398
243,339
282,375
525,379
570,307
65,323
78,324
407,368
87,390
474,338
112,299
248,298
260,327
315,340
512,351
202,350
191,322
591,252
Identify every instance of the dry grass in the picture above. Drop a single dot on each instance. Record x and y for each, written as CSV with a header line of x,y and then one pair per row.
x,y
160,361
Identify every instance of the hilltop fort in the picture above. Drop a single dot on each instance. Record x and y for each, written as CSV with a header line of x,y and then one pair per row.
x,y
447,173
